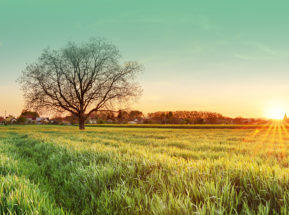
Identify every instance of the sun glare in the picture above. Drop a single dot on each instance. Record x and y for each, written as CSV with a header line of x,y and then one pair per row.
x,y
275,111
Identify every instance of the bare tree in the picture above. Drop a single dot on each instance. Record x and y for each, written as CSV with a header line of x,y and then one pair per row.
x,y
80,79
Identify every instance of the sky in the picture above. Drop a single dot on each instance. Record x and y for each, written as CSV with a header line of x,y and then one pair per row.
x,y
230,57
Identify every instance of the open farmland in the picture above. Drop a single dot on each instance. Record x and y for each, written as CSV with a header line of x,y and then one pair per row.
x,y
103,170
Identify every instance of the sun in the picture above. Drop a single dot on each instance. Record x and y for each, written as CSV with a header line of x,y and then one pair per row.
x,y
275,111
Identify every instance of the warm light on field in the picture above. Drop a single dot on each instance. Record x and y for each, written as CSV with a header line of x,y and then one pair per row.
x,y
116,166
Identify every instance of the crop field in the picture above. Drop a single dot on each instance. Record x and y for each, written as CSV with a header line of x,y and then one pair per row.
x,y
104,170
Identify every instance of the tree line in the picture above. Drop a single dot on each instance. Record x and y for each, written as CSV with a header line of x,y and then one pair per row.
x,y
163,117
138,117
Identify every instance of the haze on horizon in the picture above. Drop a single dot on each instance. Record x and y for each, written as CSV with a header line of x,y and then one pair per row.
x,y
222,56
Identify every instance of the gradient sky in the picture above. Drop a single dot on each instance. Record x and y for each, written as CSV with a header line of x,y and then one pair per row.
x,y
228,56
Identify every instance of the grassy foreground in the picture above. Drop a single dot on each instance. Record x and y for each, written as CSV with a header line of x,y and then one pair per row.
x,y
60,170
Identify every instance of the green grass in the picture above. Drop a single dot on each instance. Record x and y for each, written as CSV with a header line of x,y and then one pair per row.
x,y
104,170
182,126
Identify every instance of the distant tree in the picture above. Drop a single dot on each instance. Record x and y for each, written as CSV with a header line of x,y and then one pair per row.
x,y
31,114
105,116
170,114
122,116
21,120
72,119
199,121
135,114
238,120
170,117
187,117
119,115
80,79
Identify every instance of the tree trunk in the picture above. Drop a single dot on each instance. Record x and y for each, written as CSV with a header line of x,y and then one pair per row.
x,y
81,122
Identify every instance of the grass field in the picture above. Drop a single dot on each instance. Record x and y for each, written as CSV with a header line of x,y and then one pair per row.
x,y
103,170
182,126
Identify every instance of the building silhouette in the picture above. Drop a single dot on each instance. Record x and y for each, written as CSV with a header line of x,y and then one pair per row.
x,y
285,119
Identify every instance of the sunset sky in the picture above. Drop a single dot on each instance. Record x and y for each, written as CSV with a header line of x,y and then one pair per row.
x,y
230,57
